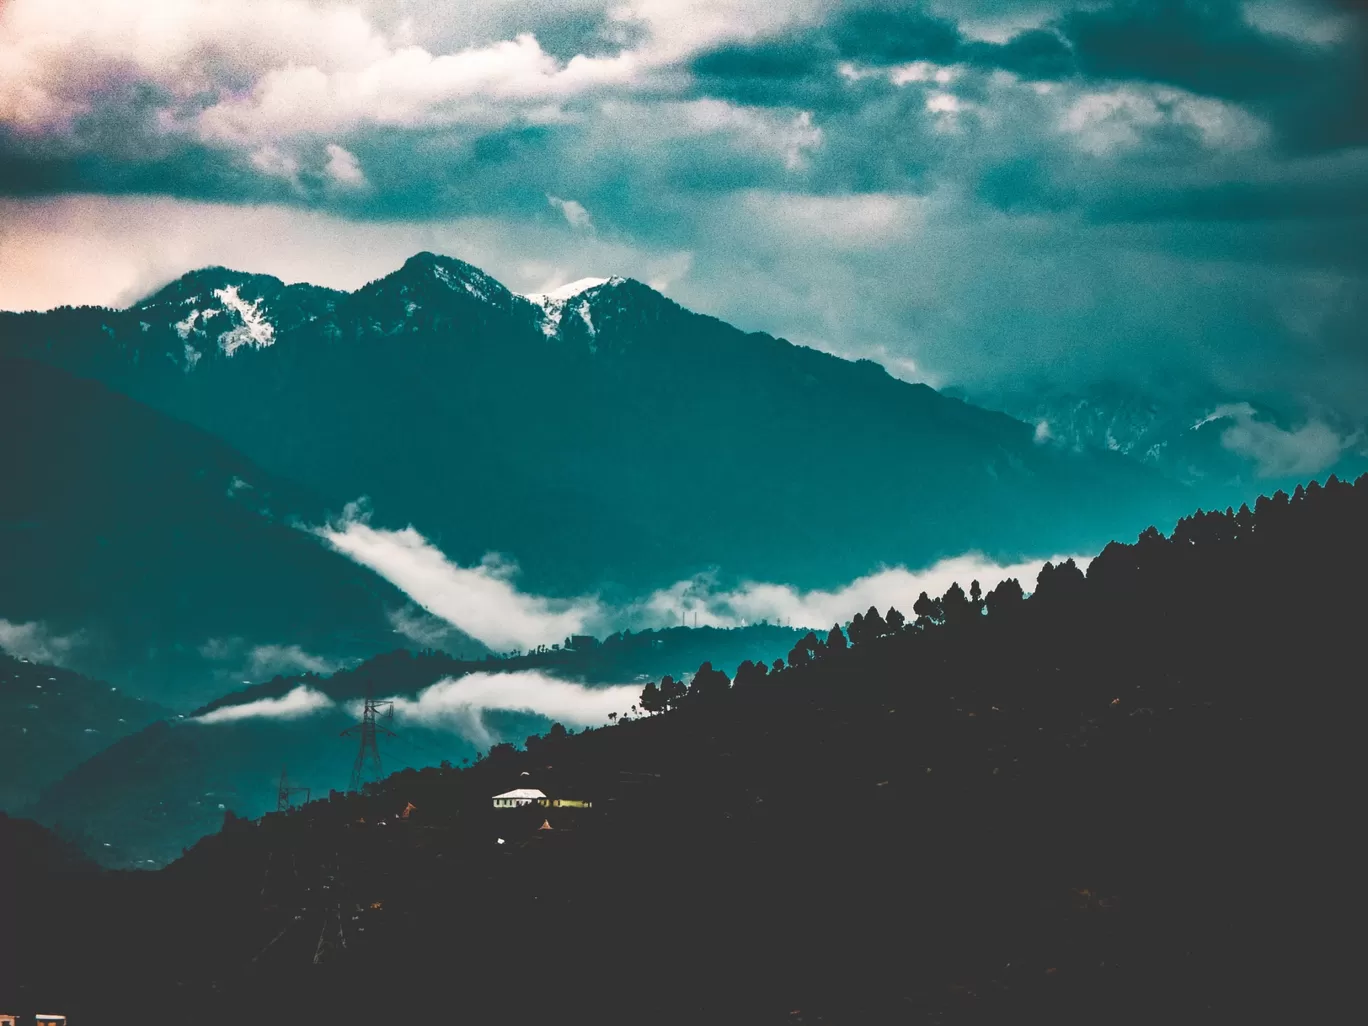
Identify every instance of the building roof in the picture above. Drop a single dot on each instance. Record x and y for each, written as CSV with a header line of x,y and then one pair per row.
x,y
521,792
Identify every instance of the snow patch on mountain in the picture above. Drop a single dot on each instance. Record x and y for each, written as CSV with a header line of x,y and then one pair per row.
x,y
569,290
185,327
553,303
478,284
587,316
255,330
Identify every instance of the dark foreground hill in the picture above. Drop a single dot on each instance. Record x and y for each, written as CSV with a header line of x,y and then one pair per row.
x,y
607,440
1124,799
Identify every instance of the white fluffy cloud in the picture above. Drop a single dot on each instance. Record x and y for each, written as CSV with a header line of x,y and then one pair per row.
x,y
269,660
300,702
459,704
409,87
486,604
343,167
1308,449
56,55
482,600
36,643
1103,122
779,603
573,211
271,68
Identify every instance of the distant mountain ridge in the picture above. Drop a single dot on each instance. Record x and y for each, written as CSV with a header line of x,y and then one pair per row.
x,y
608,440
1187,435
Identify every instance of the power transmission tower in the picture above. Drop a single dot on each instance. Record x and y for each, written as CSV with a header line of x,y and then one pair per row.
x,y
285,792
368,764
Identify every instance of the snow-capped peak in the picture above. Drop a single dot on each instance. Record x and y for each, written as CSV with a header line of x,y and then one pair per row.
x,y
570,290
553,303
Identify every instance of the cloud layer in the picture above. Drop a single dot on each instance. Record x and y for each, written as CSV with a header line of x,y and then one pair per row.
x,y
459,704
779,603
37,643
482,601
970,191
1278,452
298,703
485,603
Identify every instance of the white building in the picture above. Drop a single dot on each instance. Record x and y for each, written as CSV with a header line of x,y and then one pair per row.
x,y
518,797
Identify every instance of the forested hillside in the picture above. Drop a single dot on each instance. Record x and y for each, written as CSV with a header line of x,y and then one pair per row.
x,y
138,800
1120,799
51,720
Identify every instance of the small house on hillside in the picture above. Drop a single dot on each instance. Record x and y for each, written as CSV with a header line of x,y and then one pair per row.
x,y
521,796
518,797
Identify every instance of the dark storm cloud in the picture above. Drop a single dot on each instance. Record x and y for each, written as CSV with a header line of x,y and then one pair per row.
x,y
1315,94
895,34
1035,53
1207,47
802,67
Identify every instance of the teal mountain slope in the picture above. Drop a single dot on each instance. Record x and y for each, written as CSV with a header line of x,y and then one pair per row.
x,y
605,439
52,720
164,556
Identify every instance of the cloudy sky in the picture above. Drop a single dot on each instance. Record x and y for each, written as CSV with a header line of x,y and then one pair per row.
x,y
974,192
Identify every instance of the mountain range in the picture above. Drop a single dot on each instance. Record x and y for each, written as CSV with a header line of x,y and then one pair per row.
x,y
602,436
1224,446
159,525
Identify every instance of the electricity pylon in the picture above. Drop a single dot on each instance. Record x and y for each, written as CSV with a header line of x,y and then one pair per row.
x,y
285,792
368,755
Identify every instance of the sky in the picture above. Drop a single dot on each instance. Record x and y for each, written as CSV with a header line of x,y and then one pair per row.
x,y
1170,195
